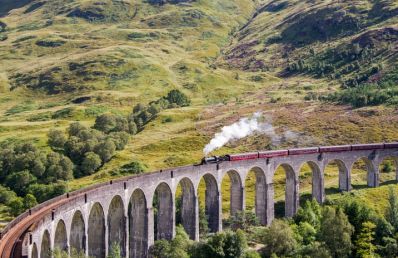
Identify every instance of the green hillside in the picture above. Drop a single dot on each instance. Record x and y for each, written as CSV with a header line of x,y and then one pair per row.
x,y
323,71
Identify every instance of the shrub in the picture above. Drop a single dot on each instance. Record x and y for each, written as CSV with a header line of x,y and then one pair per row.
x,y
179,98
16,206
90,164
56,139
134,168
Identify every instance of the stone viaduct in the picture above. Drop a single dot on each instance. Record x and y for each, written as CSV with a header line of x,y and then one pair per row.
x,y
122,212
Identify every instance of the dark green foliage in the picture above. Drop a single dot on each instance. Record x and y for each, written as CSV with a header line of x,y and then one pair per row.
x,y
108,123
120,139
387,167
364,245
6,195
105,150
133,168
105,123
177,248
392,210
336,232
366,95
242,220
178,98
310,213
278,239
44,192
91,163
20,181
226,244
321,25
16,206
29,201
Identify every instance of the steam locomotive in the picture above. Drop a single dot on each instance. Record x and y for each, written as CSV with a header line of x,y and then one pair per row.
x,y
300,151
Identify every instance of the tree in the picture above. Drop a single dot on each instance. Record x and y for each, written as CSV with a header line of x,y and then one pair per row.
x,y
133,128
310,212
90,163
56,139
134,168
154,109
227,244
315,250
59,167
105,150
243,220
176,248
105,123
392,208
307,232
6,195
364,246
120,139
20,181
74,149
251,254
278,239
179,98
75,128
29,201
138,108
16,206
336,232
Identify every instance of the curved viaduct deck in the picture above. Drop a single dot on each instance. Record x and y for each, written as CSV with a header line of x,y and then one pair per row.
x,y
121,211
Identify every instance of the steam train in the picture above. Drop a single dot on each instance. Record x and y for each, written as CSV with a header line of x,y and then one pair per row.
x,y
300,151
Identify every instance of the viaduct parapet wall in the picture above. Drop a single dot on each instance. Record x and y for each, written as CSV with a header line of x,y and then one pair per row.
x,y
121,211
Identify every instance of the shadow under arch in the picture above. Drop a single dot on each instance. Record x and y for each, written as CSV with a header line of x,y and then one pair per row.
x,y
260,194
117,224
371,173
96,231
291,190
212,203
388,170
78,233
344,182
235,191
138,225
163,212
187,203
35,253
317,189
61,238
45,250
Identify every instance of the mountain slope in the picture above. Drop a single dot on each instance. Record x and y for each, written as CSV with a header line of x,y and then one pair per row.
x,y
58,46
352,42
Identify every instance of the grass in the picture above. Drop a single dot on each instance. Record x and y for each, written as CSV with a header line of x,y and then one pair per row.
x,y
99,59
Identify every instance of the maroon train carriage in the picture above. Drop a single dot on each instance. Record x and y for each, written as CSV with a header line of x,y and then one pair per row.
x,y
304,151
335,148
391,145
272,154
244,156
373,146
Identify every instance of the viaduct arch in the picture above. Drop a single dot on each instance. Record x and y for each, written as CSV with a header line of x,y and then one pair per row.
x,y
134,211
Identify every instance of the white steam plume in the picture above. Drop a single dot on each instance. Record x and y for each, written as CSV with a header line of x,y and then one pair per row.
x,y
243,128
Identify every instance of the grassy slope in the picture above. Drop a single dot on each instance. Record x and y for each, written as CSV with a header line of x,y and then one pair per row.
x,y
284,32
137,56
